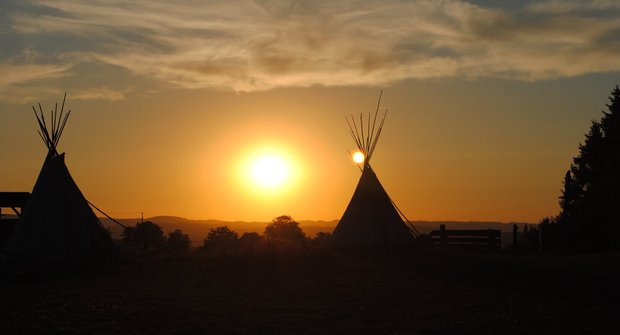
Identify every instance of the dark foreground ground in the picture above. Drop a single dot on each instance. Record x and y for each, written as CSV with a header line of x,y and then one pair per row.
x,y
423,293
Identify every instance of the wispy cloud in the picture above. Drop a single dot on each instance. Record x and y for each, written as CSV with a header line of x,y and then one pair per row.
x,y
564,6
15,73
258,45
29,95
102,93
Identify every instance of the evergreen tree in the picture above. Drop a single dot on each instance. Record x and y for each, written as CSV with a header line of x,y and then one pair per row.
x,y
589,201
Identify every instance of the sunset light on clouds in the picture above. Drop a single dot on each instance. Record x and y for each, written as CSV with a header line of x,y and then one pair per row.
x,y
258,45
488,101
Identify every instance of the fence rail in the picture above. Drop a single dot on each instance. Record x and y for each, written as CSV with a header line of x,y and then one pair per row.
x,y
491,238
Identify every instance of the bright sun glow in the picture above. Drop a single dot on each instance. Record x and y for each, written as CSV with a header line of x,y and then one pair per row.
x,y
270,171
358,157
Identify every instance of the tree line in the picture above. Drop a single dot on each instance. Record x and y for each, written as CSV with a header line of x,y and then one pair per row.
x,y
589,217
283,233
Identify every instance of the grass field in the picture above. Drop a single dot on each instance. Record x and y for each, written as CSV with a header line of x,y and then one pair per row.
x,y
424,292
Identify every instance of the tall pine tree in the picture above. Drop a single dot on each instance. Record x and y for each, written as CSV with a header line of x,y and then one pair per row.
x,y
590,200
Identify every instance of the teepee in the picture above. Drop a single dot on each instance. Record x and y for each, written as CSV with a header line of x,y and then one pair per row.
x,y
371,218
57,225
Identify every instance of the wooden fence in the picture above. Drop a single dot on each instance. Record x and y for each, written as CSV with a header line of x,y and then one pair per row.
x,y
15,201
491,238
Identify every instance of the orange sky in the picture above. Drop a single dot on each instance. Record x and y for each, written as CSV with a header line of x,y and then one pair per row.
x,y
479,127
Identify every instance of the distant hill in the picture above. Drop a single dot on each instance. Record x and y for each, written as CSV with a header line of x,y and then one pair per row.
x,y
199,229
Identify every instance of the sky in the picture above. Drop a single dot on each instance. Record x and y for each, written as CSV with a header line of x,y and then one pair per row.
x,y
174,103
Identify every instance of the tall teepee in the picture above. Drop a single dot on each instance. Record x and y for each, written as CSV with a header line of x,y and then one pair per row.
x,y
371,218
57,225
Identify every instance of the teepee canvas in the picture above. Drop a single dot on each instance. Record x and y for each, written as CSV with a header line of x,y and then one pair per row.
x,y
371,218
57,225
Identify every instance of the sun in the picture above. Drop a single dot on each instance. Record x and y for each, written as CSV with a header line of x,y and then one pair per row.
x,y
269,171
358,157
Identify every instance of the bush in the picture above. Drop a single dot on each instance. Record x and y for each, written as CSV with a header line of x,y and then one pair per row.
x,y
177,241
530,237
284,229
146,234
322,240
221,241
249,242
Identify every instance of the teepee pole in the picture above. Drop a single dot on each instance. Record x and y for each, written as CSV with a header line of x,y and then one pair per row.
x,y
355,139
62,109
42,132
372,148
372,132
357,134
62,128
53,112
362,131
51,133
42,117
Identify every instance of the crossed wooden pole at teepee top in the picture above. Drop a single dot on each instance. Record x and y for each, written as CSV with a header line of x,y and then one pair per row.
x,y
58,121
51,133
366,142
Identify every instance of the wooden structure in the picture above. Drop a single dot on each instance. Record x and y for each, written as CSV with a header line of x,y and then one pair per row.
x,y
57,225
371,219
490,238
15,201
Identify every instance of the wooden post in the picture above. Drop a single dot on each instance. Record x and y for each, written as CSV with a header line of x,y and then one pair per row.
x,y
442,234
515,235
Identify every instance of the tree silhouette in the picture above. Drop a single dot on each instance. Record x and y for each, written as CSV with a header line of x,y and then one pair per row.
x,y
322,241
178,241
284,229
249,242
589,203
530,235
221,240
144,233
129,236
322,238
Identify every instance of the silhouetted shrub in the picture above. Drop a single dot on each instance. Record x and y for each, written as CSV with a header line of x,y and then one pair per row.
x,y
221,241
322,240
552,236
284,229
178,241
128,236
530,237
145,234
249,242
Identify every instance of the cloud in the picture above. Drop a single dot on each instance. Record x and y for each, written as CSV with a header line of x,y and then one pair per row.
x,y
29,95
102,93
258,45
14,73
563,6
